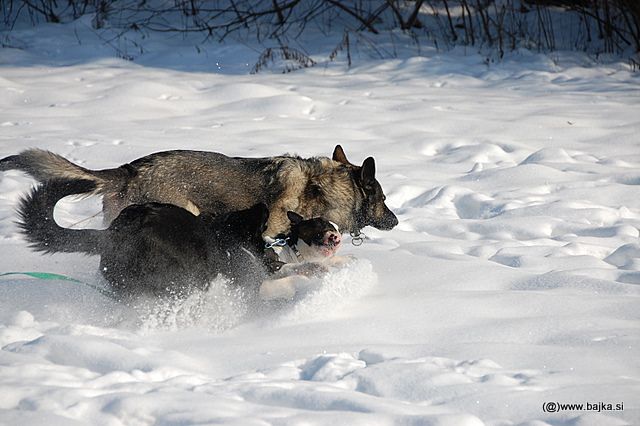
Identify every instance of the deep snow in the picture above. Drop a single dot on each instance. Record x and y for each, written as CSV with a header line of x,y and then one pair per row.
x,y
512,279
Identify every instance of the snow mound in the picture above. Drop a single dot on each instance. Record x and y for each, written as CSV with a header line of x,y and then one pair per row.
x,y
625,257
549,155
324,297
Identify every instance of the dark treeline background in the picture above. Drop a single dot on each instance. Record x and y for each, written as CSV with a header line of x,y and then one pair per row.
x,y
594,26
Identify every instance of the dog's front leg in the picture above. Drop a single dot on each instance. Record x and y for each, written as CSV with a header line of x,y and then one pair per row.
x,y
281,288
339,261
308,269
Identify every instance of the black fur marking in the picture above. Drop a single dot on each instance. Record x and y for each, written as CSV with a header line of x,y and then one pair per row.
x,y
313,191
40,228
10,163
311,231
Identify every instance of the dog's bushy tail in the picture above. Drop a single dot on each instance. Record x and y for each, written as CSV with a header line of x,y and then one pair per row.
x,y
45,165
40,228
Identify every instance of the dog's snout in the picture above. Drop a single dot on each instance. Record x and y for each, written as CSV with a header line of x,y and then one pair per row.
x,y
388,222
333,238
393,221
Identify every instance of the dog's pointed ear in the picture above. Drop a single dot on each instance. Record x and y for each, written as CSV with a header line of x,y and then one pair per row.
x,y
368,171
294,217
340,156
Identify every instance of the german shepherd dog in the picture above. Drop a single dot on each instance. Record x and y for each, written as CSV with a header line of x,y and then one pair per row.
x,y
199,181
164,250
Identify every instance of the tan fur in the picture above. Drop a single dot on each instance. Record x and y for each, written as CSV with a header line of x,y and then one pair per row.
x,y
52,164
190,207
294,181
331,177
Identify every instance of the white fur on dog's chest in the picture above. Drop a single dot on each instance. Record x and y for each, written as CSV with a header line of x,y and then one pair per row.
x,y
286,254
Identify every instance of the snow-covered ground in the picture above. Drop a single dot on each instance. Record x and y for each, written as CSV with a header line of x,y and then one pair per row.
x,y
511,281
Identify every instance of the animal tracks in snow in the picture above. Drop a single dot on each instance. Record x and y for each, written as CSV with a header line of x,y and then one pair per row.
x,y
117,369
494,212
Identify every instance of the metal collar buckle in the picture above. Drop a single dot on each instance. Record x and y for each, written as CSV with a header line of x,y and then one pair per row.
x,y
278,242
357,237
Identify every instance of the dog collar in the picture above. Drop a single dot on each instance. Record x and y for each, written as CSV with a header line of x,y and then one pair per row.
x,y
275,242
284,250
